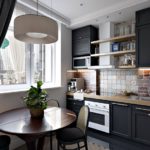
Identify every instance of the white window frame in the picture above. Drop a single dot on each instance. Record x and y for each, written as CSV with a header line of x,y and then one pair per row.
x,y
56,69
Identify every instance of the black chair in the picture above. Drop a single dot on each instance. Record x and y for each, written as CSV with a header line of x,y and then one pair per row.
x,y
76,135
53,103
4,142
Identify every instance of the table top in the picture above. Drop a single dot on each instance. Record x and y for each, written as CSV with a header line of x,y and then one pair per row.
x,y
18,121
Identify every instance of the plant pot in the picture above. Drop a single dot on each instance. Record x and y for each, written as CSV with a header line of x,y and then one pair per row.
x,y
36,112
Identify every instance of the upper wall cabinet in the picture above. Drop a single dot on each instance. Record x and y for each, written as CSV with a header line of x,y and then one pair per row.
x,y
142,38
143,17
81,40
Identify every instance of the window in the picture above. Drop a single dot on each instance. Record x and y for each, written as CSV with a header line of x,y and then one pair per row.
x,y
22,65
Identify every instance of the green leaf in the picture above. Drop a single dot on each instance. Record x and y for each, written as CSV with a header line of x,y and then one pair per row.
x,y
36,97
39,84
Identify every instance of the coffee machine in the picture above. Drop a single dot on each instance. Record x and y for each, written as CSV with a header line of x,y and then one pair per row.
x,y
77,84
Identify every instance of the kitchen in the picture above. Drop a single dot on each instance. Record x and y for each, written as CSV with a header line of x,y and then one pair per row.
x,y
101,73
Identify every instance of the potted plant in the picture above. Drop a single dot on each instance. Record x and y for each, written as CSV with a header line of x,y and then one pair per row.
x,y
36,100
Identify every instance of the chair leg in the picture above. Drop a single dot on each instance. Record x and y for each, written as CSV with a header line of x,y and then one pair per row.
x,y
78,146
57,145
51,142
86,145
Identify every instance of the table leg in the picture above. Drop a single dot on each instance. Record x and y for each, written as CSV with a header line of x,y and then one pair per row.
x,y
31,145
40,144
33,142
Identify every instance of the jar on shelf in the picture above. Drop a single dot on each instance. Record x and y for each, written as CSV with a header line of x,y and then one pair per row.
x,y
96,49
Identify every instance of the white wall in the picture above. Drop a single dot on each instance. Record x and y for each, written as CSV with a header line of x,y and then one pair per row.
x,y
14,100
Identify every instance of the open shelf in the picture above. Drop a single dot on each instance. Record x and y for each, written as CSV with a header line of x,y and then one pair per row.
x,y
113,53
116,39
101,67
126,67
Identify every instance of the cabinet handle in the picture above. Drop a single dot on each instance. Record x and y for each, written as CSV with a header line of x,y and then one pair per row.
x,y
138,108
125,105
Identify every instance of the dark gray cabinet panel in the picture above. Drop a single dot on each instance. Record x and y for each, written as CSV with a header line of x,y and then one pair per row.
x,y
143,46
142,38
143,17
81,33
81,40
74,105
141,124
121,119
81,47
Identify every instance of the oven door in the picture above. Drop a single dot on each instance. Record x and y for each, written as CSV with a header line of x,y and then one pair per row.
x,y
99,120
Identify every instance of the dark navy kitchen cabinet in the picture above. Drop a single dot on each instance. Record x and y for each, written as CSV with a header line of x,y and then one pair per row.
x,y
81,40
141,124
74,105
121,119
143,17
142,38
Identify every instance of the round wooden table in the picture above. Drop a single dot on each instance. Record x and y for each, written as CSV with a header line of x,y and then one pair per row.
x,y
18,122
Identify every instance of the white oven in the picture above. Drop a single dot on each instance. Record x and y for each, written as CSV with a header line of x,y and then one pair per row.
x,y
99,116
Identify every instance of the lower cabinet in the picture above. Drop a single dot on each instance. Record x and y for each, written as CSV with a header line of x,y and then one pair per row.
x,y
121,119
131,121
126,120
74,105
141,124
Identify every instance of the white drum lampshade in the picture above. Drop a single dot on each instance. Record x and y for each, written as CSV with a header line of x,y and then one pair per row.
x,y
35,29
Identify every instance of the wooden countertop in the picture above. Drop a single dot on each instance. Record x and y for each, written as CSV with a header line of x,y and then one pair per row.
x,y
122,99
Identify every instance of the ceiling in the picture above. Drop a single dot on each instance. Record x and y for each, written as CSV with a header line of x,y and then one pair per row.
x,y
83,12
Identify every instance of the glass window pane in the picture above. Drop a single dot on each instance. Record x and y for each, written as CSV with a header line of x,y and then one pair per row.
x,y
42,63
38,63
12,61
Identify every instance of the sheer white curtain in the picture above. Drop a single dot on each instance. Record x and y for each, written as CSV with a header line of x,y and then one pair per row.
x,y
13,58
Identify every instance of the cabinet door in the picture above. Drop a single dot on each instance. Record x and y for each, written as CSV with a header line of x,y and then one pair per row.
x,y
143,17
121,119
141,124
81,47
143,46
74,105
81,33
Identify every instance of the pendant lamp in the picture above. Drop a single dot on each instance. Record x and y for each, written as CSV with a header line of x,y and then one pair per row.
x,y
35,29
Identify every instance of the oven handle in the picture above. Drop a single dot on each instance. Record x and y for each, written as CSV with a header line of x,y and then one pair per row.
x,y
119,104
138,108
98,111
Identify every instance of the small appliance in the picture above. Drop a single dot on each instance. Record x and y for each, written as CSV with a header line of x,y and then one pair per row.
x,y
81,62
77,84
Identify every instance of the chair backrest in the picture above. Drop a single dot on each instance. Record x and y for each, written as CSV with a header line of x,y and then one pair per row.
x,y
4,142
53,102
83,118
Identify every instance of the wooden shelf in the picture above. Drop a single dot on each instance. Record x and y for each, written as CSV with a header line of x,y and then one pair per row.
x,y
101,67
115,39
126,67
113,53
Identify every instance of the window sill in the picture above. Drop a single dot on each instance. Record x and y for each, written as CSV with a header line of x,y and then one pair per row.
x,y
25,90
